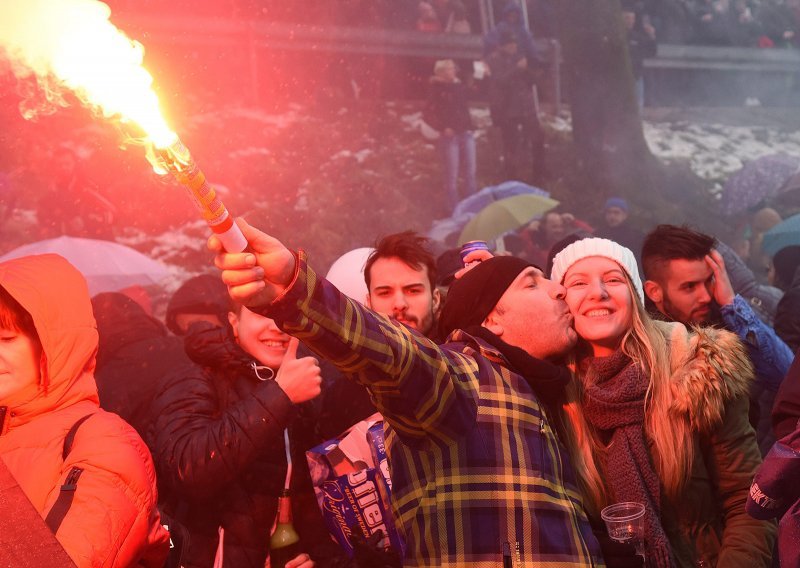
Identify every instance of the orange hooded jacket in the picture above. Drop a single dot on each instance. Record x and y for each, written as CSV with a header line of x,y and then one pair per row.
x,y
113,520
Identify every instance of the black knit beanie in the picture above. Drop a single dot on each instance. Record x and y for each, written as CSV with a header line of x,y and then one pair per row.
x,y
472,297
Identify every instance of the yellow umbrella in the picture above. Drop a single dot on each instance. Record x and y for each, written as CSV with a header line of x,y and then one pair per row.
x,y
505,215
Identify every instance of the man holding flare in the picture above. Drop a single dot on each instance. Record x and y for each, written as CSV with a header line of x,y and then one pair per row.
x,y
476,465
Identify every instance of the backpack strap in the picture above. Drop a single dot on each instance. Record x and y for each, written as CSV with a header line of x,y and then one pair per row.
x,y
64,500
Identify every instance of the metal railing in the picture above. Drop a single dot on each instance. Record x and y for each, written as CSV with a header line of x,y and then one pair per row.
x,y
254,38
725,59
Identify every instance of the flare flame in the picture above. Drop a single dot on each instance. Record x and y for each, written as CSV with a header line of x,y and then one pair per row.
x,y
71,46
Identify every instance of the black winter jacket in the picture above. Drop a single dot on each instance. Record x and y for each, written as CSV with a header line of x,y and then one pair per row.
x,y
134,353
219,449
787,315
786,412
448,107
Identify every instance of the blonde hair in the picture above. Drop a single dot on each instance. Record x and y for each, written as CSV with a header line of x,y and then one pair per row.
x,y
647,346
442,65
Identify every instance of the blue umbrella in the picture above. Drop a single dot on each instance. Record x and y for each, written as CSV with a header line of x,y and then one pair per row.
x,y
446,230
784,234
758,179
478,201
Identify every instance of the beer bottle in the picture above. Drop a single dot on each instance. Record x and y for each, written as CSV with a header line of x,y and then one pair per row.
x,y
284,544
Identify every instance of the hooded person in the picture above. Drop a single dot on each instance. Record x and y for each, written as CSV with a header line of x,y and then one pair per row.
x,y
84,470
477,468
616,226
512,24
134,353
200,298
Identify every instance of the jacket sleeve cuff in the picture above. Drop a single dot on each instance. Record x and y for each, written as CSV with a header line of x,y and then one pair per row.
x,y
738,313
297,256
283,300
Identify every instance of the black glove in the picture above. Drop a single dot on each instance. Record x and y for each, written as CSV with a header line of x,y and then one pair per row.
x,y
618,554
368,552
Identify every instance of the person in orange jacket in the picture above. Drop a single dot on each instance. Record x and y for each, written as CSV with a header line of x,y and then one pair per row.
x,y
86,471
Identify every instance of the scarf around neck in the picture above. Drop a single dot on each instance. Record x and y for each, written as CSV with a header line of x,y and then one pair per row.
x,y
548,380
614,404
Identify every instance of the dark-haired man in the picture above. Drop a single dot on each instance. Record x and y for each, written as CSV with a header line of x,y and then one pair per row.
x,y
477,469
686,281
400,274
401,281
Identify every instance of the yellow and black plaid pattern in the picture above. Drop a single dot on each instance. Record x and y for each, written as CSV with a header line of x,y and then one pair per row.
x,y
474,462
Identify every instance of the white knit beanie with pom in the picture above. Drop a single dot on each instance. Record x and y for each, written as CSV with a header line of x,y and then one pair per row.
x,y
597,247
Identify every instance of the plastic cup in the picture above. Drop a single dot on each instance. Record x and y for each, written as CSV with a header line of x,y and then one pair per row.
x,y
625,523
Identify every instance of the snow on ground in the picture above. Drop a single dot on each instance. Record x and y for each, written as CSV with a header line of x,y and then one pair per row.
x,y
278,121
712,149
715,151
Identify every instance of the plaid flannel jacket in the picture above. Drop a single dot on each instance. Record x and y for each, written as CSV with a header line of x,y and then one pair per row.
x,y
474,462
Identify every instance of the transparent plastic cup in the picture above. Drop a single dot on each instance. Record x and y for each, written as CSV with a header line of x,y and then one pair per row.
x,y
625,523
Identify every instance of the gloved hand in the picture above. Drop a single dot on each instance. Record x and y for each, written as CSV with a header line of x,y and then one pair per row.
x,y
368,552
618,554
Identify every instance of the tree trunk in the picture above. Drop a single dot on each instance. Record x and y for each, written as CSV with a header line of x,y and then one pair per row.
x,y
606,123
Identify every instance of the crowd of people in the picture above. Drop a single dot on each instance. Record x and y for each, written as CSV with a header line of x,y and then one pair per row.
x,y
744,23
520,397
521,392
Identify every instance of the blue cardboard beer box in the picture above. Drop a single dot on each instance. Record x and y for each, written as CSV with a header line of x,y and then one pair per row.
x,y
351,479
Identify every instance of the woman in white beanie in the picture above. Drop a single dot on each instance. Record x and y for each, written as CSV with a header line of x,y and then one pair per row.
x,y
660,416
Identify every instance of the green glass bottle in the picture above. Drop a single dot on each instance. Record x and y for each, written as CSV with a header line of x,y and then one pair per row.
x,y
284,544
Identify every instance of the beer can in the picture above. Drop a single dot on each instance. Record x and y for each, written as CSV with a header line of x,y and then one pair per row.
x,y
472,246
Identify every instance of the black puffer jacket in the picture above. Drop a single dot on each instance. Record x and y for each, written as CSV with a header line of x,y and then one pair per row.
x,y
219,449
134,353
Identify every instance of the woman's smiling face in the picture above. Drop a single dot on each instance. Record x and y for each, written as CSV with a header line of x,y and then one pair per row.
x,y
260,337
599,297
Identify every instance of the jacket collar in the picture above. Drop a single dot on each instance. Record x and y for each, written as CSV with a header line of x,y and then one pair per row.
x,y
709,367
548,380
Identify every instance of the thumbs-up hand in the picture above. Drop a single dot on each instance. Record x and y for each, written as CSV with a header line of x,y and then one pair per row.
x,y
300,379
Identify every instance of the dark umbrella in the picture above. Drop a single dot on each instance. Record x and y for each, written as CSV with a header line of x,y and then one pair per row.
x,y
758,179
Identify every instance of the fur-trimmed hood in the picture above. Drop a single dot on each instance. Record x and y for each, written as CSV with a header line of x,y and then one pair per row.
x,y
709,368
